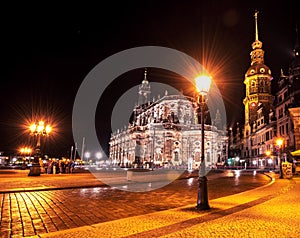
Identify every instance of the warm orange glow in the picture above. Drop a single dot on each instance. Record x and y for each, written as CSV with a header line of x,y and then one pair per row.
x,y
25,150
48,129
203,84
268,153
279,142
32,127
40,128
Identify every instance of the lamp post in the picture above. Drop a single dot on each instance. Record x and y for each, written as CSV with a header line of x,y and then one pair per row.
x,y
202,84
38,130
25,151
279,143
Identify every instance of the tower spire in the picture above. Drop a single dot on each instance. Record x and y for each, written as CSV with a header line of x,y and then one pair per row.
x,y
145,74
297,46
256,27
257,55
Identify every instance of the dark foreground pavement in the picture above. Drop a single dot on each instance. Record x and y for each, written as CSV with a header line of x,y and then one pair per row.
x,y
272,210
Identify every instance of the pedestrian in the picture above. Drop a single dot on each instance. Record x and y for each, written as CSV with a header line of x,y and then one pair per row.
x,y
60,166
72,165
49,168
67,166
54,165
42,168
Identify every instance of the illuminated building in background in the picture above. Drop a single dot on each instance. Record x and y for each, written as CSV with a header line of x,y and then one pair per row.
x,y
166,131
267,117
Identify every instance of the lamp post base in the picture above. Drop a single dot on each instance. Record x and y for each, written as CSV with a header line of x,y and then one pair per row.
x,y
202,201
35,170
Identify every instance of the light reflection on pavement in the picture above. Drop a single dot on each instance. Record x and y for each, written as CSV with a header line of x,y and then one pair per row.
x,y
38,212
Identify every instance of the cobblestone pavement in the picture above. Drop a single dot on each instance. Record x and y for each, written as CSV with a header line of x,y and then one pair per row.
x,y
268,211
25,214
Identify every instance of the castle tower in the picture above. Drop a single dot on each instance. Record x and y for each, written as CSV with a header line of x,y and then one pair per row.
x,y
258,84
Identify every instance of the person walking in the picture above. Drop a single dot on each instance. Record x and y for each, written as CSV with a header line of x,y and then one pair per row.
x,y
49,168
72,166
42,167
60,166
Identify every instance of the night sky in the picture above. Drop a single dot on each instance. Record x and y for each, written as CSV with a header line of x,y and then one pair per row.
x,y
48,49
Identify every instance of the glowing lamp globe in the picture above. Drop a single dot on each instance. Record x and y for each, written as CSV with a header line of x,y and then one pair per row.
x,y
203,84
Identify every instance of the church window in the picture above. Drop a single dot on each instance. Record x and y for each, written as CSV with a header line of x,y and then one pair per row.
x,y
262,70
252,71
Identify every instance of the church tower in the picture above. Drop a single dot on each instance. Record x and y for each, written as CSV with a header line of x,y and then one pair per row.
x,y
144,90
258,85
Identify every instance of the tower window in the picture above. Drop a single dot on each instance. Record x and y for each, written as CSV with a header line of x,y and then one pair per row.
x,y
262,70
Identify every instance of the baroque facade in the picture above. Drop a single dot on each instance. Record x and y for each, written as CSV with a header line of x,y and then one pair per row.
x,y
267,117
166,132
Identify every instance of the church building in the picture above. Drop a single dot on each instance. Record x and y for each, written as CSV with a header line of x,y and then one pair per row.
x,y
166,132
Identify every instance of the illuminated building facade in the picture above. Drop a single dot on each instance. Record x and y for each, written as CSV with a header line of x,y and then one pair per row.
x,y
267,117
166,132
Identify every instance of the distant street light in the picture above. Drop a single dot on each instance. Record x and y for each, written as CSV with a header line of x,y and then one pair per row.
x,y
279,143
98,155
270,160
202,84
38,130
87,155
25,151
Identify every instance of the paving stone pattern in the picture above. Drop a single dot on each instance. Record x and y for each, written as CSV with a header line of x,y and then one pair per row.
x,y
25,214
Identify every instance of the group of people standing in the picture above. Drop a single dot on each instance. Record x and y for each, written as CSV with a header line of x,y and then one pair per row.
x,y
63,166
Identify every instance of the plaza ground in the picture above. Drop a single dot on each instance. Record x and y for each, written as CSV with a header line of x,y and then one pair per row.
x,y
271,210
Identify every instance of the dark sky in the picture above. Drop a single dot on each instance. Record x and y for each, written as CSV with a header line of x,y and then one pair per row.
x,y
48,49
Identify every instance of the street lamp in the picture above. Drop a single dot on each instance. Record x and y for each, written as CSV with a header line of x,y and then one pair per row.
x,y
87,156
98,156
268,153
270,160
202,85
25,151
279,143
38,129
